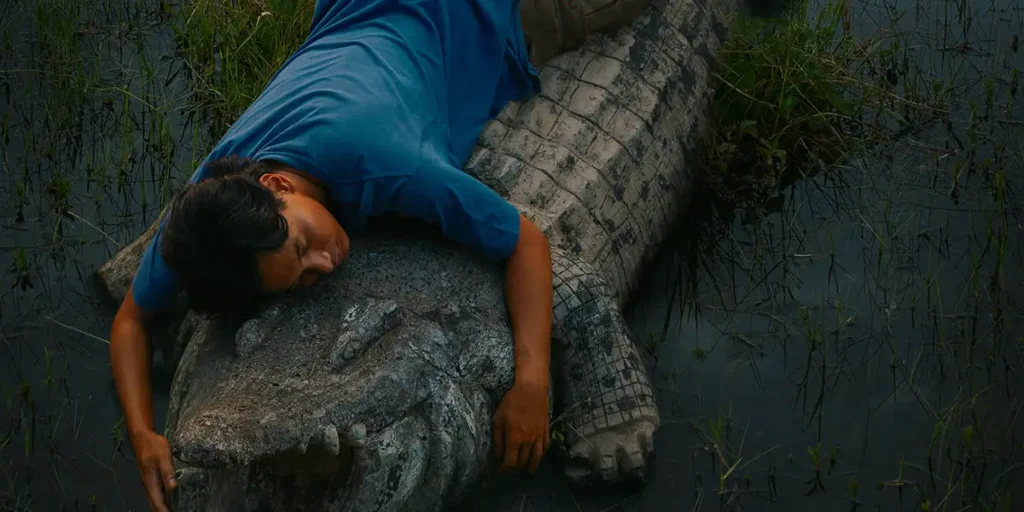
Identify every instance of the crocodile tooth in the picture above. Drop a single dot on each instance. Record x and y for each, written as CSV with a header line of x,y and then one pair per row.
x,y
329,438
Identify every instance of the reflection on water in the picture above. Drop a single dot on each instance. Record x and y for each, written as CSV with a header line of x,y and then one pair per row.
x,y
858,349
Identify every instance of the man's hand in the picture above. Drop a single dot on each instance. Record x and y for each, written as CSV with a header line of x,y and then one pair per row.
x,y
520,429
154,456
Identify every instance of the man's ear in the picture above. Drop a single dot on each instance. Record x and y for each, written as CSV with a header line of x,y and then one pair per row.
x,y
278,183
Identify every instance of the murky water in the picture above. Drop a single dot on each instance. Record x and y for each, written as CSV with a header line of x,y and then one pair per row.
x,y
859,349
94,133
862,347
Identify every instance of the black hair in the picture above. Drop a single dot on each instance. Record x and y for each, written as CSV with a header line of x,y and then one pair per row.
x,y
214,230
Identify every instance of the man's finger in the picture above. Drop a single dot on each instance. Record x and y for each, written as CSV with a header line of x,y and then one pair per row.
x,y
536,454
154,490
498,435
547,439
170,483
524,455
511,454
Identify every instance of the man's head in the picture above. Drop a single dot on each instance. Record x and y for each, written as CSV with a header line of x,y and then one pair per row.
x,y
250,230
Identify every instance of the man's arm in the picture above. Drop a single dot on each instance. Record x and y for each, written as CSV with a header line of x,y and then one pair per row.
x,y
469,212
130,363
521,434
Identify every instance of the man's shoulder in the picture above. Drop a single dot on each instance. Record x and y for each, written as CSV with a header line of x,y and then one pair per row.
x,y
155,284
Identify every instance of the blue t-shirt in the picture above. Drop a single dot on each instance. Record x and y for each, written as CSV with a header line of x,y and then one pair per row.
x,y
382,103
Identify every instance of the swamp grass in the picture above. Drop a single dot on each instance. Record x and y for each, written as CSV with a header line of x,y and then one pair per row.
x,y
233,49
787,102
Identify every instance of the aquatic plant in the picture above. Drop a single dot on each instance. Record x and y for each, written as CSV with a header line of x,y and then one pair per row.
x,y
789,102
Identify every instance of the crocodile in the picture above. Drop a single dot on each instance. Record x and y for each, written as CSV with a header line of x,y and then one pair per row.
x,y
375,388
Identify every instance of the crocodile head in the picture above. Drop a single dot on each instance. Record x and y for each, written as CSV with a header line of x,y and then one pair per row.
x,y
343,395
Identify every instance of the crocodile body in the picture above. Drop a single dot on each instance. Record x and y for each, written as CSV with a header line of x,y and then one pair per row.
x,y
375,389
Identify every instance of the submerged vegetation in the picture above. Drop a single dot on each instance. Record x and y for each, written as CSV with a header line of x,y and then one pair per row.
x,y
93,138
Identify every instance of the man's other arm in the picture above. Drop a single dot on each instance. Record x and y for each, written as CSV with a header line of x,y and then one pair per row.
x,y
130,363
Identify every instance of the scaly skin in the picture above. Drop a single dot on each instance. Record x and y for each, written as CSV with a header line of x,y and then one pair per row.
x,y
599,162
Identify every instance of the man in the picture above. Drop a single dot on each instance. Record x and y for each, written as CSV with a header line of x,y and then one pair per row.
x,y
373,115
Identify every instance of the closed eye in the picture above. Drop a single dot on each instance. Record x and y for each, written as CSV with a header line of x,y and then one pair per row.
x,y
298,256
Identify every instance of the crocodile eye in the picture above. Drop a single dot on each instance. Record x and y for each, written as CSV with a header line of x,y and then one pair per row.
x,y
363,324
254,331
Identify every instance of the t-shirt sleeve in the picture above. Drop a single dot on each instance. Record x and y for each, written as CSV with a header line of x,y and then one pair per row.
x,y
466,210
155,284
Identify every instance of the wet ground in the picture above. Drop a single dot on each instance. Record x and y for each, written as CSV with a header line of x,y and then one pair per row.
x,y
860,348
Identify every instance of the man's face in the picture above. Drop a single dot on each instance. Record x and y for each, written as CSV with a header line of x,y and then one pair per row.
x,y
316,245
